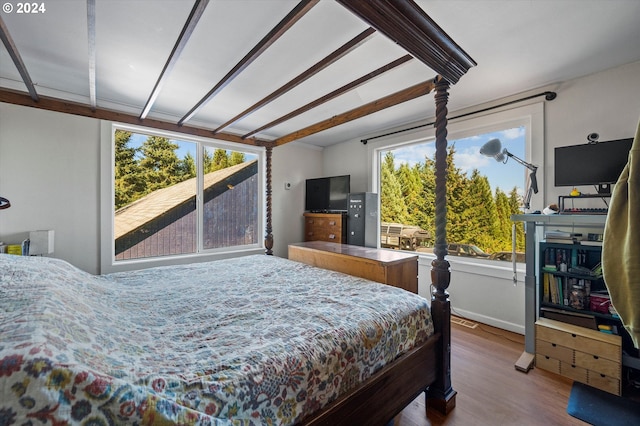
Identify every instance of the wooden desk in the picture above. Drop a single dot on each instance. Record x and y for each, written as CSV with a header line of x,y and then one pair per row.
x,y
396,268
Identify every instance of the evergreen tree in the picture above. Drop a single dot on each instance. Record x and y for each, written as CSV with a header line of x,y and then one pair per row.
x,y
220,159
503,209
207,161
160,163
457,200
411,187
392,204
515,203
128,183
481,215
187,167
236,158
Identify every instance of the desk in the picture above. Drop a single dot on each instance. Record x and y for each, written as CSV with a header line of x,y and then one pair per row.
x,y
531,221
396,268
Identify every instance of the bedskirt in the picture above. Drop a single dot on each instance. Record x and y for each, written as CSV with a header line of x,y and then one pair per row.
x,y
250,340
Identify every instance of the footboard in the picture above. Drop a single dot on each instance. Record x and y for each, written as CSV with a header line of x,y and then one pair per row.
x,y
388,392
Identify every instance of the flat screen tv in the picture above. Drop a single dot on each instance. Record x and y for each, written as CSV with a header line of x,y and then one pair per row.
x,y
598,164
327,194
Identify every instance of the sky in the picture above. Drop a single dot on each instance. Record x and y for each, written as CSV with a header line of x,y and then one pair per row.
x,y
468,157
184,147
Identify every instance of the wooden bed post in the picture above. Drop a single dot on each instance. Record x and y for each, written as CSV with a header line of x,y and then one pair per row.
x,y
441,395
268,239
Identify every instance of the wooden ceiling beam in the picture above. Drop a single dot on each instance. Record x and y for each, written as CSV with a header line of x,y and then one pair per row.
x,y
283,26
189,26
17,59
334,94
404,22
310,72
405,95
67,107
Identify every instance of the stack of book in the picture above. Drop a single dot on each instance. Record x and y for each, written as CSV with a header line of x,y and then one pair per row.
x,y
563,237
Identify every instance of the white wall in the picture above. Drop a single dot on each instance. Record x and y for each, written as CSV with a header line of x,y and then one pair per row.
x,y
49,170
607,103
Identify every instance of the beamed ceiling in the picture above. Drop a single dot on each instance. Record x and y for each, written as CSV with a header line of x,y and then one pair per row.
x,y
318,71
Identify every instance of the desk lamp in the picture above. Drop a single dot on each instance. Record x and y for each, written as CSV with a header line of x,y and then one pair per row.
x,y
494,149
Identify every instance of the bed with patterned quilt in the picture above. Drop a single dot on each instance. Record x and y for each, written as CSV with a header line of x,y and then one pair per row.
x,y
254,340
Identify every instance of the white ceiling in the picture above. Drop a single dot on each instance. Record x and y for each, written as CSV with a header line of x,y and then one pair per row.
x,y
518,45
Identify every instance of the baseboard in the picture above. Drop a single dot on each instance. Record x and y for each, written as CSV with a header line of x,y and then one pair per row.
x,y
494,322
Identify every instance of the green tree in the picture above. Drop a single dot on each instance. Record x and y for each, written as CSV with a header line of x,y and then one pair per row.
x,y
187,167
160,163
128,183
236,158
220,159
392,206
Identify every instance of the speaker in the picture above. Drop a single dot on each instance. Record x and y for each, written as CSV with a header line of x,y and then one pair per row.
x,y
362,219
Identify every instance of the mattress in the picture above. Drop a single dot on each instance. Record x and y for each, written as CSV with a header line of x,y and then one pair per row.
x,y
250,340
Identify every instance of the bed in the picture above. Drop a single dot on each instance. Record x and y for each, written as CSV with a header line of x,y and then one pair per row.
x,y
265,341
89,364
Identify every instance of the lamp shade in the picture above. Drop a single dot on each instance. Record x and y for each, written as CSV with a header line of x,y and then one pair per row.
x,y
41,242
493,148
4,203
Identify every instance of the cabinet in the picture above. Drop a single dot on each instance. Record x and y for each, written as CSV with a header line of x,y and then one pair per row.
x,y
569,275
571,290
399,269
583,355
330,227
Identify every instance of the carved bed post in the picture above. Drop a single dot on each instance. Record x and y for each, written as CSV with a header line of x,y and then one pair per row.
x,y
441,395
268,239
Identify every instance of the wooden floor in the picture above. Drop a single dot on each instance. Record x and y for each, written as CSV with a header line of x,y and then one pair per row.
x,y
490,390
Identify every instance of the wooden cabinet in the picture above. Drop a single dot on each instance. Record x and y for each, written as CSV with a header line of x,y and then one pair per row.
x,y
330,227
399,269
581,354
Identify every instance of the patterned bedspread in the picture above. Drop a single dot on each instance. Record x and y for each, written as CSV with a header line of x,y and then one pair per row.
x,y
252,340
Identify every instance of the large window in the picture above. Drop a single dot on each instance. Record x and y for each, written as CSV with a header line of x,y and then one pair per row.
x,y
173,195
482,193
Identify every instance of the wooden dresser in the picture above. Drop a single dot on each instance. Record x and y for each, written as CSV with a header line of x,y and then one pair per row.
x,y
396,268
325,227
584,355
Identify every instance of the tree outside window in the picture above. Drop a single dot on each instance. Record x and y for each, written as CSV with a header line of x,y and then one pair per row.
x,y
482,194
155,203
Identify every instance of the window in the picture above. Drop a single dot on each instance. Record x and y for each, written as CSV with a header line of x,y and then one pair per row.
x,y
482,193
174,195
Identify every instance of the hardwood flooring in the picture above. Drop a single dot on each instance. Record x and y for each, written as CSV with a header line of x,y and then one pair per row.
x,y
490,390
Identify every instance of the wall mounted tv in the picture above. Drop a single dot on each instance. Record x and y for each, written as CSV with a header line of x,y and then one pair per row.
x,y
327,194
598,164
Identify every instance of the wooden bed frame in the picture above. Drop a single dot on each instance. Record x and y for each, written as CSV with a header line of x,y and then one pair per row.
x,y
427,367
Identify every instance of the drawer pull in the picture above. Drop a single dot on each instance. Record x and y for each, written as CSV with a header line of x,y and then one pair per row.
x,y
573,335
554,345
602,375
596,357
332,222
332,236
546,357
573,366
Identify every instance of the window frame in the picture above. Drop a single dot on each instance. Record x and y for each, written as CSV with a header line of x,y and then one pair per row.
x,y
531,116
108,263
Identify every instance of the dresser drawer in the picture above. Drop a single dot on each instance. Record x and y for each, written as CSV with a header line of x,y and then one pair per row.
x,y
547,363
606,383
582,339
573,371
554,350
598,364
